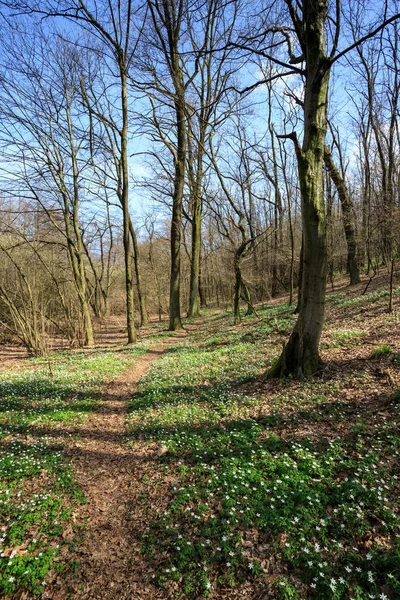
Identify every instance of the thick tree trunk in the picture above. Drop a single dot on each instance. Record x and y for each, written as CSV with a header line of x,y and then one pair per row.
x,y
348,217
300,357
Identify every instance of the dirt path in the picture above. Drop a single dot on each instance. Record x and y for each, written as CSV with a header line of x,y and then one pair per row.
x,y
110,475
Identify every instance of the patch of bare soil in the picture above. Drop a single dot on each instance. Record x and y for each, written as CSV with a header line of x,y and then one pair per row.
x,y
110,475
12,357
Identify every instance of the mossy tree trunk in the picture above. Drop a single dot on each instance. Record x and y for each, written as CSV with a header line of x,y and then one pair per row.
x,y
348,216
300,356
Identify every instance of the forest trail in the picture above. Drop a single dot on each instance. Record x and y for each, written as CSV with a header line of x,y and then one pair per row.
x,y
110,473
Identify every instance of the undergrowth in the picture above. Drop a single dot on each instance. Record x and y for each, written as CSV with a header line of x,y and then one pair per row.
x,y
37,487
300,497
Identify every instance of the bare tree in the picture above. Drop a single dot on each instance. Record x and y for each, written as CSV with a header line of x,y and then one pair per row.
x,y
167,19
43,122
208,106
236,216
379,75
113,25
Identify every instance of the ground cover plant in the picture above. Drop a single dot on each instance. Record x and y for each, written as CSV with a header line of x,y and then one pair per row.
x,y
38,491
222,484
290,488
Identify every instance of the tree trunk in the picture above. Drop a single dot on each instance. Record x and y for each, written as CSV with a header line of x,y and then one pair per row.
x,y
130,300
247,298
194,300
291,235
238,289
348,217
300,278
175,322
75,246
144,318
300,356
202,298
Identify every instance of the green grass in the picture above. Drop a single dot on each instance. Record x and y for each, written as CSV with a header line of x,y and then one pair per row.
x,y
289,487
381,350
254,488
341,299
38,395
345,338
37,487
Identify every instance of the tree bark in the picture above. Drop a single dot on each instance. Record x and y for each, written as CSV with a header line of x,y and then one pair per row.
x,y
300,357
175,322
348,216
130,301
194,299
167,20
195,177
144,318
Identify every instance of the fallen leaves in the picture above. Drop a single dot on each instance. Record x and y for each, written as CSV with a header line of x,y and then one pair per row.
x,y
15,550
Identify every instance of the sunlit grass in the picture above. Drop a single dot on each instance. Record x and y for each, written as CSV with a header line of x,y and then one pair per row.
x,y
37,486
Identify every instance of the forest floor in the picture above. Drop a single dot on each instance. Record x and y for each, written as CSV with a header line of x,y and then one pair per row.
x,y
175,469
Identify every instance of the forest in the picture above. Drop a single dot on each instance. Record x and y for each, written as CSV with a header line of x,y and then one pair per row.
x,y
199,299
